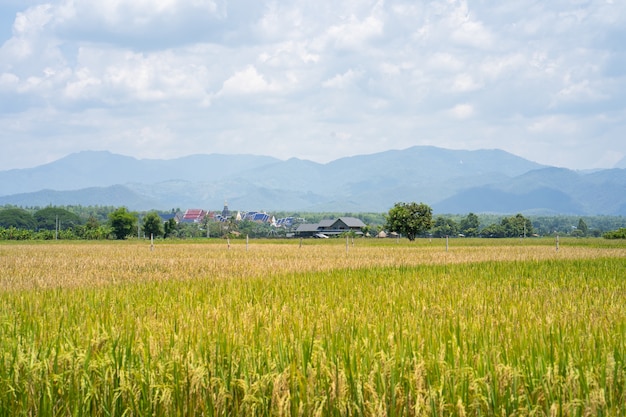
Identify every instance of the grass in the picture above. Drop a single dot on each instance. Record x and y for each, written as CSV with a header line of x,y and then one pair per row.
x,y
380,328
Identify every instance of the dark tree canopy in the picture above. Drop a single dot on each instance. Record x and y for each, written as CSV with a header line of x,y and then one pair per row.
x,y
18,218
47,218
169,228
152,225
445,226
517,226
582,227
122,223
470,225
616,234
409,219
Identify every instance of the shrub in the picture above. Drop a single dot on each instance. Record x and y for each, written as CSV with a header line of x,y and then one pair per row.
x,y
616,234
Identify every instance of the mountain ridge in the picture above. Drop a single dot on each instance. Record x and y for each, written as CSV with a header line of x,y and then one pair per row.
x,y
451,181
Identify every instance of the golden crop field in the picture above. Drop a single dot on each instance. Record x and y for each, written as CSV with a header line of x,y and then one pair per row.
x,y
328,327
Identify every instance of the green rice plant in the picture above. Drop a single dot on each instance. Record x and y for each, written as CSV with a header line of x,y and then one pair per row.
x,y
385,329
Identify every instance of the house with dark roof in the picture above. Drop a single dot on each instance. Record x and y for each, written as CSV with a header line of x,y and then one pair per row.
x,y
329,227
176,216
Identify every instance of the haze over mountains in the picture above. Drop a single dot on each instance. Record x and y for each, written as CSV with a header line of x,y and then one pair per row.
x,y
451,181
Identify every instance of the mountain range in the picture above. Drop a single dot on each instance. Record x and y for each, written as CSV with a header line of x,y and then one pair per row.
x,y
450,181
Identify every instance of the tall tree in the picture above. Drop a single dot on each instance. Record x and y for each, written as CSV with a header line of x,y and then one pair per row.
x,y
470,225
517,226
122,222
409,219
153,225
445,226
582,227
169,228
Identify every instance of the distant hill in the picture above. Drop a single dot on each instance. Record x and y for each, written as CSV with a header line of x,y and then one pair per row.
x,y
115,195
103,169
451,181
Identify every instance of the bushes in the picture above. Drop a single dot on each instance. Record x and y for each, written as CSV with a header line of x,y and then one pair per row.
x,y
13,233
616,234
78,233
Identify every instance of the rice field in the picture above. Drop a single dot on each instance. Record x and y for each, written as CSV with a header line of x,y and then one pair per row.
x,y
328,328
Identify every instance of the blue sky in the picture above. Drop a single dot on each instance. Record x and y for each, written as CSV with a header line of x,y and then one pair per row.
x,y
314,80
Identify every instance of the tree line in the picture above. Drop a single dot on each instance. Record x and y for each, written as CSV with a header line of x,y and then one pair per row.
x,y
107,222
84,223
413,220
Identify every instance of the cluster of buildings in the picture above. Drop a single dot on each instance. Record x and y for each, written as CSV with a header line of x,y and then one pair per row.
x,y
199,216
325,228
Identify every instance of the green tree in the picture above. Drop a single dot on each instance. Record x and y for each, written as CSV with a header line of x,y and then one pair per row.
x,y
409,219
493,230
48,217
170,228
616,234
152,225
17,218
517,226
582,227
470,225
445,226
122,223
92,229
92,223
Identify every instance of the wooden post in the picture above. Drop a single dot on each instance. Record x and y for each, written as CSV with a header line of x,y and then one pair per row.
x,y
228,242
557,242
246,243
151,242
347,244
446,243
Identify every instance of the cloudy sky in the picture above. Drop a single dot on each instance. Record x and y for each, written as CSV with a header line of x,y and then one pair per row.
x,y
316,80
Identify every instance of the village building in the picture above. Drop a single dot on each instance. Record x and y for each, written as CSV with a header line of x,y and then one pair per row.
x,y
329,227
225,211
177,216
194,216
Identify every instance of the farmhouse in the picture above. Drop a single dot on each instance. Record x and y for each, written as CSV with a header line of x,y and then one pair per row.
x,y
331,227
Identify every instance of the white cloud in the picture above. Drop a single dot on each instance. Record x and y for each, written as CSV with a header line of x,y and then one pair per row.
x,y
130,16
392,73
85,85
442,61
465,82
342,80
462,111
472,33
247,81
33,21
8,81
354,32
554,124
581,91
507,65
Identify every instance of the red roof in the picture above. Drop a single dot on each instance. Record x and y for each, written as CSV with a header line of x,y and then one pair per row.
x,y
194,214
